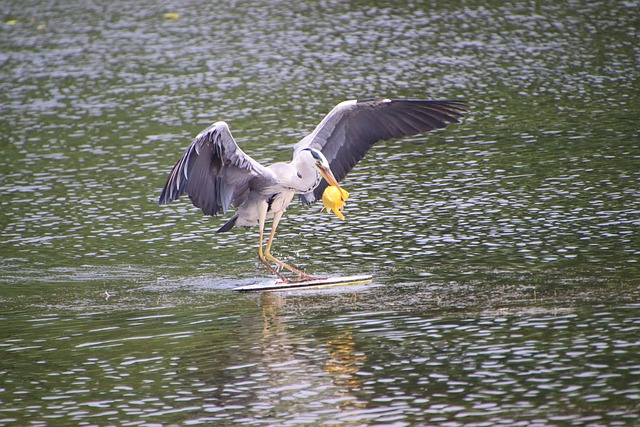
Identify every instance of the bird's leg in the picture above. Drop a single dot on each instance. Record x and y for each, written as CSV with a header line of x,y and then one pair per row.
x,y
267,252
261,255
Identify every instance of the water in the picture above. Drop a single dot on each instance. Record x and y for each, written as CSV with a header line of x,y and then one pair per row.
x,y
213,361
505,249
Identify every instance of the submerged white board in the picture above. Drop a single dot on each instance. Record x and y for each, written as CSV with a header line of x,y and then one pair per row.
x,y
314,283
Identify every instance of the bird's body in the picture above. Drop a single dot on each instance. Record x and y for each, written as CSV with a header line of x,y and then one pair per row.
x,y
217,175
278,186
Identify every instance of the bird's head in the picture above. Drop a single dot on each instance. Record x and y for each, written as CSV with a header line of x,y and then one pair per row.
x,y
320,163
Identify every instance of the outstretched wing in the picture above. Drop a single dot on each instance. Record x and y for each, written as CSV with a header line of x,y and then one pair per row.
x,y
352,127
213,171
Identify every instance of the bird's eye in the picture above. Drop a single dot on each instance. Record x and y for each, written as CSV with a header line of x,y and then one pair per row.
x,y
299,175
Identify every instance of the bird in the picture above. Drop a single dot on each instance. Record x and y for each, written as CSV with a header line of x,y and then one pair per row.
x,y
217,175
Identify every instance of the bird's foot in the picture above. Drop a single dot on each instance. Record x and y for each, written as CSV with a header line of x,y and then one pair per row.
x,y
306,278
300,279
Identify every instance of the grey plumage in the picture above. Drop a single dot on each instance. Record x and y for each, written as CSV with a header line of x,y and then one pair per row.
x,y
214,172
352,127
217,175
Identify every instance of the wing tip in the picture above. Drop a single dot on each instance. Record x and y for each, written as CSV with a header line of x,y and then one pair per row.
x,y
228,225
167,196
219,126
375,101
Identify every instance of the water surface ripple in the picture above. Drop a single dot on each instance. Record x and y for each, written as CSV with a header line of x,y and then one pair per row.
x,y
209,365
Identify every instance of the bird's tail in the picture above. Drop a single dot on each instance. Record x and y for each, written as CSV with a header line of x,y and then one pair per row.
x,y
228,225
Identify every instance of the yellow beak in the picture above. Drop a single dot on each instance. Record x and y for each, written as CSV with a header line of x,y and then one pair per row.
x,y
328,175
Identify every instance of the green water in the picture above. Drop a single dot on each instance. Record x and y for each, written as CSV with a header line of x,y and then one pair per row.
x,y
504,250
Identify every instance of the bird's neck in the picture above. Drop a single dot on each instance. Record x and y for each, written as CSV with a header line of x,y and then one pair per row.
x,y
305,178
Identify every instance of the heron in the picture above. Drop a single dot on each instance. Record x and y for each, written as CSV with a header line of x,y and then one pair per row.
x,y
217,175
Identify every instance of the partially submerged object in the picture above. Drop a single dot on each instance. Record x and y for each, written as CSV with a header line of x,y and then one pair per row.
x,y
322,283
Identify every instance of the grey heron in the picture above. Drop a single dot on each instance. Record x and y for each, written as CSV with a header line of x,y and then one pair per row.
x,y
217,175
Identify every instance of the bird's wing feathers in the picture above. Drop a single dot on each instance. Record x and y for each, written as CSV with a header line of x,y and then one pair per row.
x,y
213,171
352,127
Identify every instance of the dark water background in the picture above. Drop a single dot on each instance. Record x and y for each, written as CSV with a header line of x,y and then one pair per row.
x,y
505,250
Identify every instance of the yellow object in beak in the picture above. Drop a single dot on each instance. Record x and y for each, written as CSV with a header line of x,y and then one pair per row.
x,y
334,198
